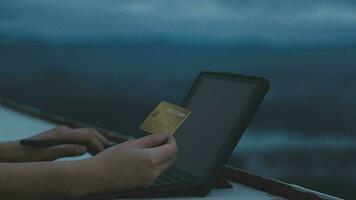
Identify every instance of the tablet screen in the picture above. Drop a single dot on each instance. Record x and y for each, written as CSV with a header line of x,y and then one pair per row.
x,y
216,105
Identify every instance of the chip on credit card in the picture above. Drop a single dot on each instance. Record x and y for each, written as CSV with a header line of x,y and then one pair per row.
x,y
165,118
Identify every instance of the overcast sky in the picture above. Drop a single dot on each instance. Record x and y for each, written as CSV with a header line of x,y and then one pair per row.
x,y
218,21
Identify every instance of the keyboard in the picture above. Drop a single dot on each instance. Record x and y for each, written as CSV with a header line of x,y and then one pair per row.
x,y
167,178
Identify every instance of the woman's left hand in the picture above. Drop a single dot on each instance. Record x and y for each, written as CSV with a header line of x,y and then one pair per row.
x,y
76,142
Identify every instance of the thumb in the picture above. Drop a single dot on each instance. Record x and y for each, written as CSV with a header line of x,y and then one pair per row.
x,y
66,150
151,140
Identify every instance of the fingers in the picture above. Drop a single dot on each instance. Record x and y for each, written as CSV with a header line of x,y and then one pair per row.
x,y
166,152
95,133
94,141
164,166
98,135
87,137
65,150
150,141
164,156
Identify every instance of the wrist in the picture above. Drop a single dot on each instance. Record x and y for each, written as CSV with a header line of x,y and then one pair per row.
x,y
89,178
11,152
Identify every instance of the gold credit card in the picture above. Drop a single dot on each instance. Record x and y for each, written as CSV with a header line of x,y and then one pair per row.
x,y
165,118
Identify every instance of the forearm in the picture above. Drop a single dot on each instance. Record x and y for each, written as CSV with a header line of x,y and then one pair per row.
x,y
8,153
48,180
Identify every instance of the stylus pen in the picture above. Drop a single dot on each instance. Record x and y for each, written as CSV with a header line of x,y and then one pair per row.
x,y
49,143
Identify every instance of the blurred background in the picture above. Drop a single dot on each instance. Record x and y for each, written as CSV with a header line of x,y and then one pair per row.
x,y
110,62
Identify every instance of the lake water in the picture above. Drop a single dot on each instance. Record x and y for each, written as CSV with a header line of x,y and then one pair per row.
x,y
325,162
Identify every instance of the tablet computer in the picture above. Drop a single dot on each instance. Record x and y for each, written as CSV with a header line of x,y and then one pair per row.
x,y
222,105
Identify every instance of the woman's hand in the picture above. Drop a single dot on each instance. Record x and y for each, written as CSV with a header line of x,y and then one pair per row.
x,y
133,164
78,142
129,165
